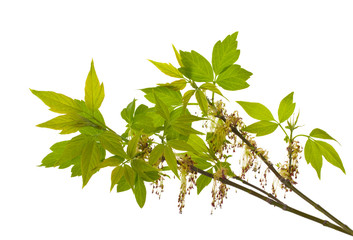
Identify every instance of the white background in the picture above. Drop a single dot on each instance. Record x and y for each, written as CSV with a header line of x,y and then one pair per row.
x,y
300,46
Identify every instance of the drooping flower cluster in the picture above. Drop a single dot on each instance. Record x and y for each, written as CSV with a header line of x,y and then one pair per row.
x,y
219,189
289,170
187,178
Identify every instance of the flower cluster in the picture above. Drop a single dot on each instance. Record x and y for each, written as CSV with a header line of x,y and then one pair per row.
x,y
219,189
187,178
158,186
145,146
289,170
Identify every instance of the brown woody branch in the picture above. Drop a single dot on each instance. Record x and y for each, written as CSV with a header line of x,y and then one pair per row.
x,y
343,227
273,200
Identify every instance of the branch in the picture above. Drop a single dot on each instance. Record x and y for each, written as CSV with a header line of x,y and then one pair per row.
x,y
274,201
286,182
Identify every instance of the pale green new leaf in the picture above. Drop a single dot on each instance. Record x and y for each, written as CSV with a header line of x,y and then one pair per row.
x,y
161,108
94,91
128,113
211,87
156,154
313,155
167,69
57,102
57,150
117,174
123,185
175,85
171,160
331,155
181,145
132,146
112,161
68,123
286,108
261,128
178,57
112,143
202,181
319,133
197,143
202,101
166,95
129,175
256,110
90,158
225,53
234,78
73,148
186,97
196,67
140,192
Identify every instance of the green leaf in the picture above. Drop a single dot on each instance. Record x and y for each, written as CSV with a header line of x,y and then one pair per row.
x,y
167,69
211,87
180,145
89,160
175,86
256,110
225,53
128,113
186,97
73,149
94,91
140,192
234,78
202,101
68,123
331,155
178,57
112,161
184,129
319,133
313,155
286,108
129,175
57,102
161,108
141,168
123,185
156,154
197,143
202,181
166,95
196,67
261,128
57,150
117,174
112,143
187,118
171,160
132,146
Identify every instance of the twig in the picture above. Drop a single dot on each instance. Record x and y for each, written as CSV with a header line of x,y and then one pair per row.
x,y
275,202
